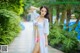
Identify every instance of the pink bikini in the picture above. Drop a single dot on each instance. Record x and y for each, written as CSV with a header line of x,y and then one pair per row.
x,y
37,39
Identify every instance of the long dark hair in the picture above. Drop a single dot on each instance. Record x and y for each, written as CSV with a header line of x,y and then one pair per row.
x,y
47,13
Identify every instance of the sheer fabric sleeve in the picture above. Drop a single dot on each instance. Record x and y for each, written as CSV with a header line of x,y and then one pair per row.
x,y
46,29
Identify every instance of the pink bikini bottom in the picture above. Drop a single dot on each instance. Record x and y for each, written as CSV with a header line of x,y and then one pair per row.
x,y
37,39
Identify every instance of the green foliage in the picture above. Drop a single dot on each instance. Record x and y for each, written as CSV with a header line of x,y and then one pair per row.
x,y
9,26
28,3
14,5
70,42
63,40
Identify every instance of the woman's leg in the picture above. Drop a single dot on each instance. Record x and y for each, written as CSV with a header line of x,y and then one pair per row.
x,y
37,48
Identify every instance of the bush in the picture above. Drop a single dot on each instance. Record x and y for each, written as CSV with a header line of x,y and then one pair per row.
x,y
9,26
63,40
13,5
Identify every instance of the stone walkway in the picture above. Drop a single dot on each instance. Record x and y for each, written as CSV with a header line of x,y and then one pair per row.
x,y
24,42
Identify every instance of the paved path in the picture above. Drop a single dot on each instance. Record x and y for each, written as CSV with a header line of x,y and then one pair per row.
x,y
24,42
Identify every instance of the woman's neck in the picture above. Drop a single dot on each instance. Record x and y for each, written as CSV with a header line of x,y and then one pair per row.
x,y
42,17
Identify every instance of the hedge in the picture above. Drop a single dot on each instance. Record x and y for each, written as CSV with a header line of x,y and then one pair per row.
x,y
9,26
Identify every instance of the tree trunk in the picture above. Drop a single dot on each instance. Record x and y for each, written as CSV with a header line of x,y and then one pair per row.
x,y
51,14
57,15
63,17
68,18
68,15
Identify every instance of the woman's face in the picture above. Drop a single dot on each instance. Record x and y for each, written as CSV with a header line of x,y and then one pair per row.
x,y
43,11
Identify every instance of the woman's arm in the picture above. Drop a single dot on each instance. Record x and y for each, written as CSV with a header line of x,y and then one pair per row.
x,y
35,32
46,40
46,31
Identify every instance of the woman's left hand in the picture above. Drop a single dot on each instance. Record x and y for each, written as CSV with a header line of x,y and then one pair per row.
x,y
46,43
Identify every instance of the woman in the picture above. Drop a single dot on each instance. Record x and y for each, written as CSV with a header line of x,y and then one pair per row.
x,y
41,25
